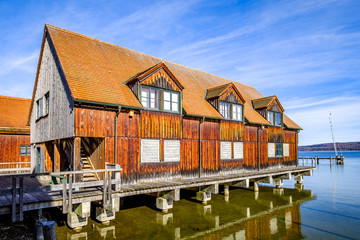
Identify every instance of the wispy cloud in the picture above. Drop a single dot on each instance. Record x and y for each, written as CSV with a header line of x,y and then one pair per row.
x,y
22,63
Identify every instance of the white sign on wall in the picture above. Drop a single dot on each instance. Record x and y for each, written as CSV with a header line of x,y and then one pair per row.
x,y
238,150
225,150
150,149
271,149
286,149
171,150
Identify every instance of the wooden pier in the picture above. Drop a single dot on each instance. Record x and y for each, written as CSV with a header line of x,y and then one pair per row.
x,y
316,160
25,192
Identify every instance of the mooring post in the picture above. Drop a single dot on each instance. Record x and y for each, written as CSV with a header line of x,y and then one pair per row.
x,y
303,161
13,204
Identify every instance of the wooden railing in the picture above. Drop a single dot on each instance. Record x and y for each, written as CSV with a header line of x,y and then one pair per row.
x,y
110,182
19,166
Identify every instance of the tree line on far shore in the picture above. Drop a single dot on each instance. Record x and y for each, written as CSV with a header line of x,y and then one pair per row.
x,y
344,146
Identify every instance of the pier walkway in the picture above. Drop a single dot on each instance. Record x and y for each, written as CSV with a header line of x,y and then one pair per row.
x,y
25,192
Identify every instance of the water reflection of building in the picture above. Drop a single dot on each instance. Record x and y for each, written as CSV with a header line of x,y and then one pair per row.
x,y
280,221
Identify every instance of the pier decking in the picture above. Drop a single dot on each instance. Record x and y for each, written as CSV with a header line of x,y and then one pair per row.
x,y
31,193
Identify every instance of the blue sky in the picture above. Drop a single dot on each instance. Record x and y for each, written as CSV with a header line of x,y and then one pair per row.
x,y
305,52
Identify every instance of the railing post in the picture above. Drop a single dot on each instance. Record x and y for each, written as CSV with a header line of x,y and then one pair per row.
x,y
13,204
70,193
109,198
104,190
65,208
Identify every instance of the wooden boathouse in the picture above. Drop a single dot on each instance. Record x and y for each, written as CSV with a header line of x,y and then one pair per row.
x,y
103,115
15,146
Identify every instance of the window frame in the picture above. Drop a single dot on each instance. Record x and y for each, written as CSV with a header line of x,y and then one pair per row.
x,y
158,154
231,110
273,114
157,97
46,104
27,148
279,147
171,101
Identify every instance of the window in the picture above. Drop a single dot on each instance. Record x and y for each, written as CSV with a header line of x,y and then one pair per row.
x,y
286,150
270,117
171,150
46,104
238,150
278,120
279,150
231,111
171,101
275,118
150,97
225,150
271,150
237,112
25,150
40,107
225,109
150,150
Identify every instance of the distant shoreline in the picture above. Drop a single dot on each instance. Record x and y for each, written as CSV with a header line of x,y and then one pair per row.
x,y
343,146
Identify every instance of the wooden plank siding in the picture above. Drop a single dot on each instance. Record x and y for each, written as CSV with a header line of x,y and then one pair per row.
x,y
210,147
232,131
10,150
100,123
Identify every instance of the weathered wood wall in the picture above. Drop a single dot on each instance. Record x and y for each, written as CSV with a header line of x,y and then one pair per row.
x,y
232,132
97,123
10,150
59,123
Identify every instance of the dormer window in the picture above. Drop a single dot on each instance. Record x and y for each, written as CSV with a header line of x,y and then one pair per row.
x,y
227,100
237,112
275,118
270,108
150,97
157,89
171,101
231,111
225,109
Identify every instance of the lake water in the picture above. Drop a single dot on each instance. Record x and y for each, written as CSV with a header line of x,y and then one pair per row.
x,y
328,207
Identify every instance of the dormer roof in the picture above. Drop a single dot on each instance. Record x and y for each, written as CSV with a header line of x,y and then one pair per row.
x,y
224,91
267,102
150,75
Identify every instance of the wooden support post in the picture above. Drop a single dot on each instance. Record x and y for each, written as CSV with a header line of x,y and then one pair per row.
x,y
56,156
109,197
21,199
64,195
77,157
70,193
13,204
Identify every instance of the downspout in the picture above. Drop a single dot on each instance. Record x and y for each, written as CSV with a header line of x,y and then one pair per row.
x,y
200,155
116,131
296,148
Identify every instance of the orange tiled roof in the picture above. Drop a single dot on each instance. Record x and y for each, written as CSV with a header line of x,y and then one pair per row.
x,y
97,71
13,114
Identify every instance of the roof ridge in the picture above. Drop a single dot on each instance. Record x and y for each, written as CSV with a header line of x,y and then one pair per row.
x,y
162,60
